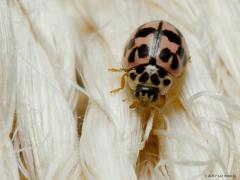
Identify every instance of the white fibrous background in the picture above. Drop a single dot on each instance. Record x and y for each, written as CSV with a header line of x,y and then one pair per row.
x,y
58,119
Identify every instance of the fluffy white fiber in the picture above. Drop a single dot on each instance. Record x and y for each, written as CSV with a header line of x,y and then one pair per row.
x,y
58,119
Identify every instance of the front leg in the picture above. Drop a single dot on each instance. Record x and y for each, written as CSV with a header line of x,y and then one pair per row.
x,y
118,70
161,101
134,105
122,83
147,113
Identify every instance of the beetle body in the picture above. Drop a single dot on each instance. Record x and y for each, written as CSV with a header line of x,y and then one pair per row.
x,y
155,54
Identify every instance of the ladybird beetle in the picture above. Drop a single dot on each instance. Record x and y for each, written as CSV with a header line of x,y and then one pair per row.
x,y
155,54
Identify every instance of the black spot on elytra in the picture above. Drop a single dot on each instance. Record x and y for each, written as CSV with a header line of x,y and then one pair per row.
x,y
174,64
144,32
161,73
166,82
143,51
172,37
140,69
144,77
152,61
133,76
154,79
180,51
165,55
131,56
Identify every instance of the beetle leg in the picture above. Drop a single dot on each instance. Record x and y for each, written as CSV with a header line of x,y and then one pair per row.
x,y
162,101
133,105
147,113
117,70
122,84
